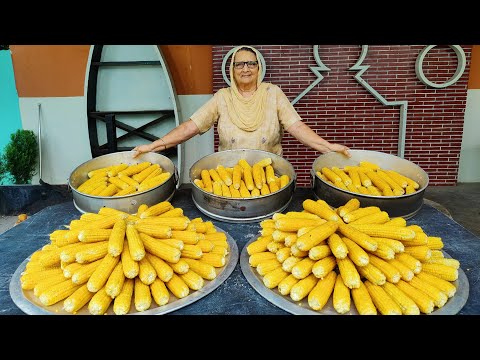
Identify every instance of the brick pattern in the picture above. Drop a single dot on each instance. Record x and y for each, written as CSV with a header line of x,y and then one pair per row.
x,y
340,110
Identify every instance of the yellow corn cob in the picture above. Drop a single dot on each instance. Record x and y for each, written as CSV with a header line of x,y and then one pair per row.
x,y
206,271
289,263
142,175
163,269
267,265
135,168
274,277
45,283
270,174
258,257
322,267
157,209
159,291
319,252
319,295
399,179
381,184
248,178
391,273
115,281
381,230
303,287
369,165
274,246
257,171
397,221
160,248
94,235
422,252
92,252
259,245
192,251
330,175
290,240
142,297
409,181
97,190
82,274
244,164
216,260
396,188
349,273
110,190
283,254
341,296
411,262
91,182
360,237
99,303
226,190
265,190
178,287
215,177
373,190
443,285
297,252
438,296
384,251
175,223
180,267
67,254
127,179
127,191
50,257
383,302
199,183
234,192
409,189
320,208
354,215
205,245
192,280
147,273
153,174
434,242
424,302
255,192
219,250
376,218
244,192
286,284
58,292
396,245
289,224
70,269
372,273
188,237
406,304
363,301
217,188
123,302
303,268
77,300
135,243
155,230
351,205
116,238
77,224
224,176
130,266
442,271
405,272
154,181
337,246
284,180
364,179
445,261
102,272
206,179
356,253
436,254
342,175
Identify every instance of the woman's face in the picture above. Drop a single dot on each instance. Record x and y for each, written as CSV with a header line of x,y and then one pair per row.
x,y
245,73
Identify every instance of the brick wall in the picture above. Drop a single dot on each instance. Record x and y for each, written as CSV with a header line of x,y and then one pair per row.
x,y
341,110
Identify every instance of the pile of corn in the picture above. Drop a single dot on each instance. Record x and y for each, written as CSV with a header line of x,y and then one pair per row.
x,y
114,257
242,180
351,253
123,179
368,179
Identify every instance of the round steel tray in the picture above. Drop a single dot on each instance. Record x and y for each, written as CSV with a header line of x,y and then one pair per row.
x,y
31,305
453,305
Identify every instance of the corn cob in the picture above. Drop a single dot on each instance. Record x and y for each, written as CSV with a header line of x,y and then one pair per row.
x,y
356,253
319,295
99,303
135,242
363,301
322,267
397,221
284,180
434,242
405,272
67,253
205,270
396,245
303,268
290,240
176,223
130,266
384,251
77,300
316,235
123,301
372,273
274,246
178,287
163,269
319,252
274,277
116,238
445,261
58,292
349,273
193,280
286,284
81,275
216,260
320,208
303,287
219,250
337,246
442,271
391,273
153,174
381,230
259,245
443,285
44,284
403,178
115,281
150,183
376,218
289,263
422,252
424,302
142,297
102,272
341,296
396,188
142,175
373,190
361,238
437,254
180,267
406,304
159,291
383,302
411,262
330,174
258,257
267,265
70,269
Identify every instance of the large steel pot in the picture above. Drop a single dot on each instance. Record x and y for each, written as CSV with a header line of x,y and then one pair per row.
x,y
128,203
242,210
405,206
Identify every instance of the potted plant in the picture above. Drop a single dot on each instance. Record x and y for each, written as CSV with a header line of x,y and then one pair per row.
x,y
19,159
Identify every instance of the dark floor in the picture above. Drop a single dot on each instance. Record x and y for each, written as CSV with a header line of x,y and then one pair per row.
x,y
460,202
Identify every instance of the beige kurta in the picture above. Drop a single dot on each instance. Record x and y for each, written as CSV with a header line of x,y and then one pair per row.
x,y
280,114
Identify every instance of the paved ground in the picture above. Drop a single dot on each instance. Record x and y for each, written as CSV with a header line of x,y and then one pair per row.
x,y
7,222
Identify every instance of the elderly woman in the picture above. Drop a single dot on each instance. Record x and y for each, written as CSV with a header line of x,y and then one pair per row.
x,y
250,114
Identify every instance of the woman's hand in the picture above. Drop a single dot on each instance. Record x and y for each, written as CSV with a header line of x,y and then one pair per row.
x,y
141,149
341,149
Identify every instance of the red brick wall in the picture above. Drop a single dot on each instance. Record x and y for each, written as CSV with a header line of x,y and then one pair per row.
x,y
341,110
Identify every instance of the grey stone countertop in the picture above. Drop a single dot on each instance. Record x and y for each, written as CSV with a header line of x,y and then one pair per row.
x,y
234,296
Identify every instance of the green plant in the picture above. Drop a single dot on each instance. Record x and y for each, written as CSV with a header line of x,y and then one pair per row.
x,y
20,157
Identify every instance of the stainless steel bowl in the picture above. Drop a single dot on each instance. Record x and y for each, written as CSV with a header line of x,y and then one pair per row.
x,y
128,203
405,206
244,210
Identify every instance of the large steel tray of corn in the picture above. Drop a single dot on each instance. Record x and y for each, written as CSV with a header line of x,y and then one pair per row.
x,y
31,305
452,307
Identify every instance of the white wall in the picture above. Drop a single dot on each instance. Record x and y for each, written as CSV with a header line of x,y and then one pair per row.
x,y
65,142
469,166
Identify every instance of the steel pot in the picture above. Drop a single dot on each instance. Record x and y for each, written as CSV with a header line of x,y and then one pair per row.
x,y
128,203
405,206
242,210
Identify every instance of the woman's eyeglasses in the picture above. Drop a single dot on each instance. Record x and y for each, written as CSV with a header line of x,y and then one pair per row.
x,y
240,64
